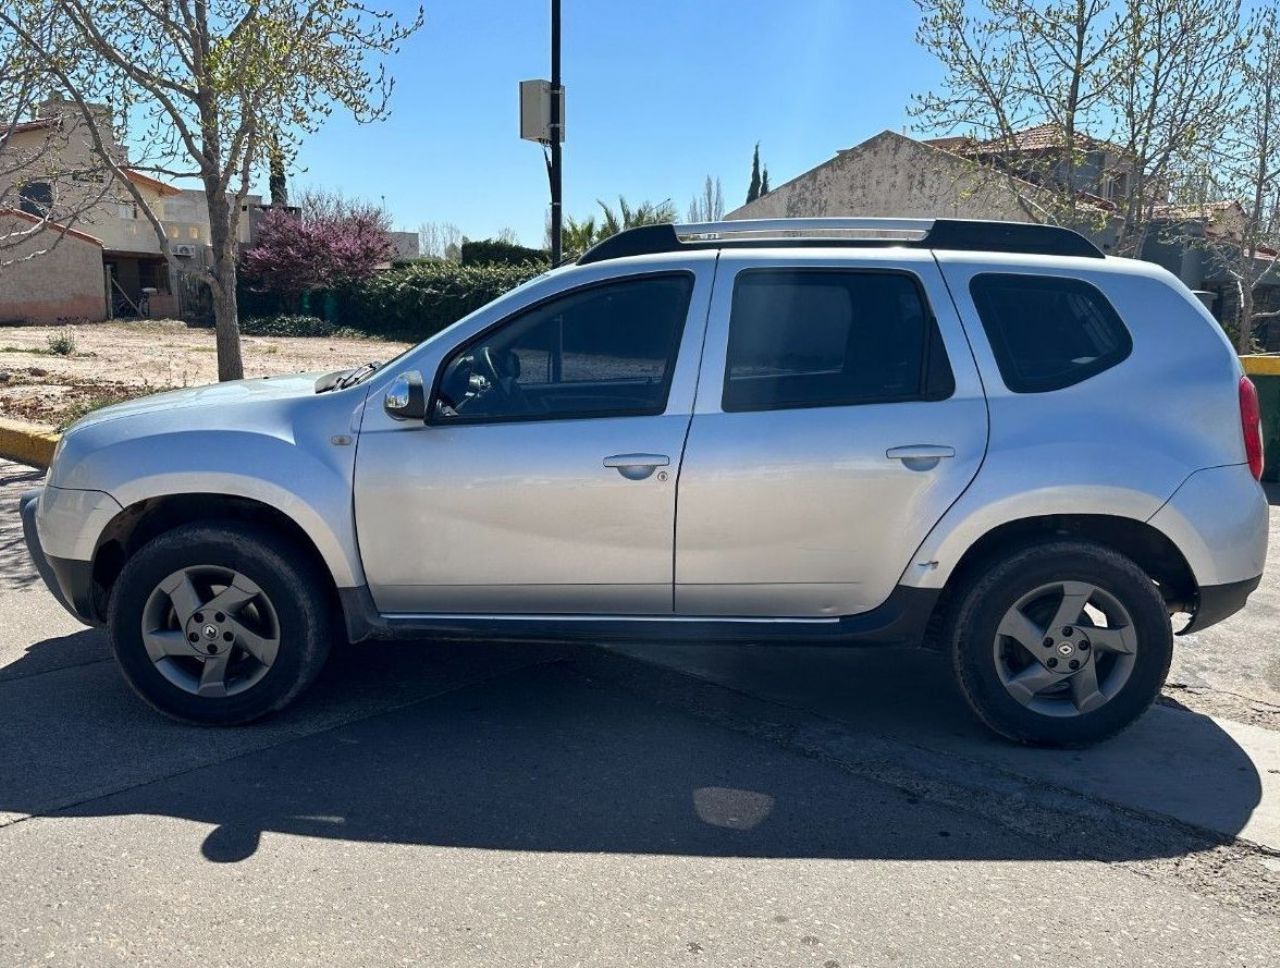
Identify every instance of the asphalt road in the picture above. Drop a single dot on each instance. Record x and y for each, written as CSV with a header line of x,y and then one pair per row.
x,y
439,805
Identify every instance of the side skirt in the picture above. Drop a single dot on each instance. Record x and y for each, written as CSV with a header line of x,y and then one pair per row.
x,y
900,620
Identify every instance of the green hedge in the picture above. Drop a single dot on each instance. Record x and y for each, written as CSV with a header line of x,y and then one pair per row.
x,y
286,325
409,303
420,300
496,252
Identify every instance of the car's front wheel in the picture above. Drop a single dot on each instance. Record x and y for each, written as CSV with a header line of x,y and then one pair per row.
x,y
1061,644
218,623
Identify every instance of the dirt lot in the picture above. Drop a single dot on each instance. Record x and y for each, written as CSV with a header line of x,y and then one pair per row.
x,y
117,361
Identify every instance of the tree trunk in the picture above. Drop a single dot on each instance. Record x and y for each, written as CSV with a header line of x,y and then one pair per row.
x,y
226,319
1244,342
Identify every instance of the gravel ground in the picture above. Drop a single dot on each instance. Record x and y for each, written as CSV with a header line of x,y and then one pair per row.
x,y
117,361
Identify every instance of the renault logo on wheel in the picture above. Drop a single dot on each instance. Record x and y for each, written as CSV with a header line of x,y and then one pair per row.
x,y
210,632
1064,648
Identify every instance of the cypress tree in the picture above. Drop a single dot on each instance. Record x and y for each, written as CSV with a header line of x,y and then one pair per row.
x,y
753,192
764,182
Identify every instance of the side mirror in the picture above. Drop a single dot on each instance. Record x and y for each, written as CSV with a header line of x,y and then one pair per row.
x,y
406,398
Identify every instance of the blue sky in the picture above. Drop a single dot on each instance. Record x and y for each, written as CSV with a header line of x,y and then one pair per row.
x,y
660,93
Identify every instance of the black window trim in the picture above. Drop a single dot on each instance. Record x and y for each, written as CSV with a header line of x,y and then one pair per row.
x,y
924,395
1078,375
672,360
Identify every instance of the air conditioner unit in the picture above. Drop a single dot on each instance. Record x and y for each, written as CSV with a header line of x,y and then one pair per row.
x,y
184,250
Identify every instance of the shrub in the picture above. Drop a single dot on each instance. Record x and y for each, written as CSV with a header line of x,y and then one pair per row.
x,y
420,300
63,344
282,325
487,252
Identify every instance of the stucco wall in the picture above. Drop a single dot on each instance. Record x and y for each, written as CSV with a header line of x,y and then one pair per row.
x,y
64,282
893,176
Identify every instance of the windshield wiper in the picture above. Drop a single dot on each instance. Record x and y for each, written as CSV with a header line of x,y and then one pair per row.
x,y
342,379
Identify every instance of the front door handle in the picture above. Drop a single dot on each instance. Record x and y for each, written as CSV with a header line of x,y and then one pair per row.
x,y
920,457
636,467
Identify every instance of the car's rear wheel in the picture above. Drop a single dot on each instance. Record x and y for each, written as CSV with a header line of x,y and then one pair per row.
x,y
218,624
1061,644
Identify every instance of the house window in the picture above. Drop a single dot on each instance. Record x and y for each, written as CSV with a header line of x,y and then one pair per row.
x,y
36,198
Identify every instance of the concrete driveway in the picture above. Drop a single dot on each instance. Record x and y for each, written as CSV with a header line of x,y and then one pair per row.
x,y
431,804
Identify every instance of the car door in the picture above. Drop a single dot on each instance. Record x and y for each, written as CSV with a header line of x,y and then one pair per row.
x,y
543,480
839,414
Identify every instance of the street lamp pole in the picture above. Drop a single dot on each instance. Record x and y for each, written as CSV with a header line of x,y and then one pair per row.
x,y
556,123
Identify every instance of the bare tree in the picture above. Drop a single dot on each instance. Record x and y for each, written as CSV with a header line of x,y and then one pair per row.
x,y
217,86
440,240
508,235
1082,98
709,206
1247,171
316,202
43,178
1174,73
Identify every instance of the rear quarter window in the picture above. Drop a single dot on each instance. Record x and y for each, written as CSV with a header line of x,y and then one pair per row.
x,y
1048,332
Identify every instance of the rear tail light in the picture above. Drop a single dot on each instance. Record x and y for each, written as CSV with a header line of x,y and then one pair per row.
x,y
1251,426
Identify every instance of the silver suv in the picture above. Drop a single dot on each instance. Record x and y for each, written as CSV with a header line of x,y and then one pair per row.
x,y
985,438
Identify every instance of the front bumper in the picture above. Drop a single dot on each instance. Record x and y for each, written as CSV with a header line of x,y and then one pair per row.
x,y
70,581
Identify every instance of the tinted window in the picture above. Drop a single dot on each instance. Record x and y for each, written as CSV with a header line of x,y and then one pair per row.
x,y
1048,332
601,351
823,338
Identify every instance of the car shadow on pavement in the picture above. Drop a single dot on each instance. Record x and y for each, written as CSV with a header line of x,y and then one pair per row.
x,y
16,571
502,747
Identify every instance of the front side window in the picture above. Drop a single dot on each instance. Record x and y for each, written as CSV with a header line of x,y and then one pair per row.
x,y
825,338
602,351
1048,332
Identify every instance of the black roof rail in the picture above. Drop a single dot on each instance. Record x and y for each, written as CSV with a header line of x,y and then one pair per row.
x,y
966,235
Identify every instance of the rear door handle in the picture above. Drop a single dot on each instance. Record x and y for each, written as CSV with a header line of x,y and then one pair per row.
x,y
920,457
636,467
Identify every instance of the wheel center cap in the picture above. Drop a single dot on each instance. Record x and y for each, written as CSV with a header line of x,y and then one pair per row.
x,y
1065,649
210,632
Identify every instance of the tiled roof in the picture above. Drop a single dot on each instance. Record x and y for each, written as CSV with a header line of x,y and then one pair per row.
x,y
33,125
51,226
1039,138
1198,210
950,143
138,178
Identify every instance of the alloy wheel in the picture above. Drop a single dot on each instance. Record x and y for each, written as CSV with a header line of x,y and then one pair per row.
x,y
210,631
1065,648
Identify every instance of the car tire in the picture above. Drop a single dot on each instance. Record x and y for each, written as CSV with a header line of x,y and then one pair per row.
x,y
1038,670
220,623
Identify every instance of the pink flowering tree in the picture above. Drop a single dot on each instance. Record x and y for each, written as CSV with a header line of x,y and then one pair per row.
x,y
330,243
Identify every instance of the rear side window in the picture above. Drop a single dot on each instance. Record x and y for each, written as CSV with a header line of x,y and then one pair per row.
x,y
826,338
1048,332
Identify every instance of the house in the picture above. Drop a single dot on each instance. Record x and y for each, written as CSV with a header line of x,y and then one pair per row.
x,y
52,172
1016,179
892,175
54,273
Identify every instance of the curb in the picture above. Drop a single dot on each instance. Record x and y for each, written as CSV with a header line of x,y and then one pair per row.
x,y
27,443
1261,365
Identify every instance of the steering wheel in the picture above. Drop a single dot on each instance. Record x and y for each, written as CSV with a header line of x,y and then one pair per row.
x,y
486,364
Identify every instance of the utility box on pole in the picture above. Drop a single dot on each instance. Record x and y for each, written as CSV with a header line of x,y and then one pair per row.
x,y
535,111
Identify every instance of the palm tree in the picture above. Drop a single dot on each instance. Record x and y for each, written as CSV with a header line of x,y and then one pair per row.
x,y
578,236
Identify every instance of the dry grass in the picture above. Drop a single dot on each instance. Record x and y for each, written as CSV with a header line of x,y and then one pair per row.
x,y
119,361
